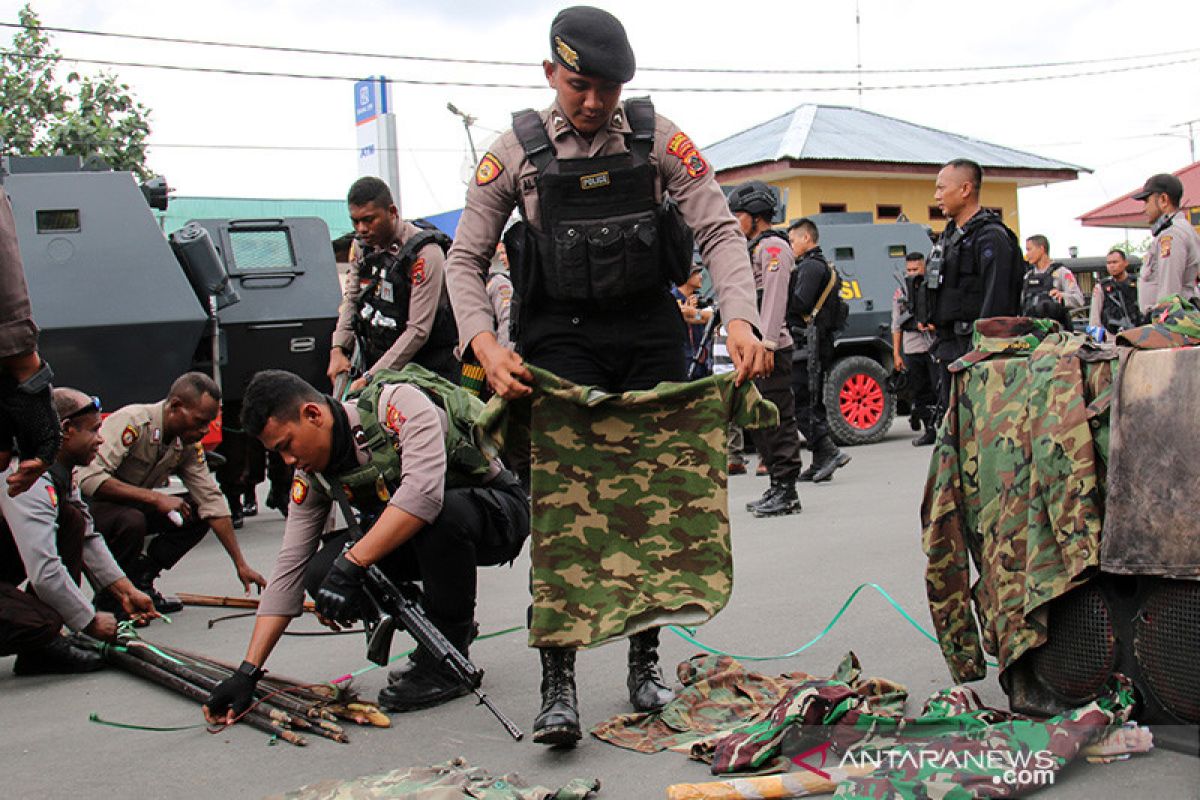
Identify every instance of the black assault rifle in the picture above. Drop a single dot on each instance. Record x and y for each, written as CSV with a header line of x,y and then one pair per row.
x,y
389,607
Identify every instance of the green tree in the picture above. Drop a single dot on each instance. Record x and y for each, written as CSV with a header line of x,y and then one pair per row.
x,y
83,115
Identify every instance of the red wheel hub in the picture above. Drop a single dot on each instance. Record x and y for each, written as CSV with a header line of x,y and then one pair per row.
x,y
861,401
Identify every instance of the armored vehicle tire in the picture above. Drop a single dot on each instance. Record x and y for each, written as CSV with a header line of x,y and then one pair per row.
x,y
859,408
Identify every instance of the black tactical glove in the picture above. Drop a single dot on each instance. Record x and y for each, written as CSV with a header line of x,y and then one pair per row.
x,y
236,692
338,597
30,415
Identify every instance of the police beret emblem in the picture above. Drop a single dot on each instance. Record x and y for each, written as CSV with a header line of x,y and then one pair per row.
x,y
566,53
299,490
129,436
488,170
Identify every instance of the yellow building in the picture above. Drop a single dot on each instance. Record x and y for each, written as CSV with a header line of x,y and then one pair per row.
x,y
828,159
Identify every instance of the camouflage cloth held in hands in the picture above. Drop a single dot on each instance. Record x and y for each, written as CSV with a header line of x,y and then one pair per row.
x,y
630,518
1015,485
1174,322
454,780
720,698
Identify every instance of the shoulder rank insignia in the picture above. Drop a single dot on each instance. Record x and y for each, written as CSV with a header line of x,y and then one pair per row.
x,y
299,490
417,274
50,490
682,148
488,170
129,435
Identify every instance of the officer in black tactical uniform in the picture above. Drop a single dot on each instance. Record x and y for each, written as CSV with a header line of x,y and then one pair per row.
x,y
754,205
813,302
395,307
591,264
1115,299
974,271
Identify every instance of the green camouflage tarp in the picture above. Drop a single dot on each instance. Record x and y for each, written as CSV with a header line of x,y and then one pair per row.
x,y
1174,322
956,748
630,518
1015,488
454,780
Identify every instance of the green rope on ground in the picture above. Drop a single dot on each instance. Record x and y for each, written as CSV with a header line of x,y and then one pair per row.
x,y
687,635
94,717
126,632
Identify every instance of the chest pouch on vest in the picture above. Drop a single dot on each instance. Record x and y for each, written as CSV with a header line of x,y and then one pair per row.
x,y
602,235
466,465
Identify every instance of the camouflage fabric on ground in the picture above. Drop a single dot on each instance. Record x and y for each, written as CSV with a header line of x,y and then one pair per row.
x,y
630,522
454,780
1015,488
723,702
955,748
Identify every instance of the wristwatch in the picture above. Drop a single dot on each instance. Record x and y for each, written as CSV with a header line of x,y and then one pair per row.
x,y
251,671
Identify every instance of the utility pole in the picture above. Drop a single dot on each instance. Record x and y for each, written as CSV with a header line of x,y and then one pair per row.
x,y
858,47
467,121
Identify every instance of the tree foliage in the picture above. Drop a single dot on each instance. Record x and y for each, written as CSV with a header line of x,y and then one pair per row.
x,y
82,115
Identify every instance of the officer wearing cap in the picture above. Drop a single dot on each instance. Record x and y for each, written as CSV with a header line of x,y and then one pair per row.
x,y
1174,256
592,263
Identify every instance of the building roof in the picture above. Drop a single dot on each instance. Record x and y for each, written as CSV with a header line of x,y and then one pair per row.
x,y
1125,212
815,137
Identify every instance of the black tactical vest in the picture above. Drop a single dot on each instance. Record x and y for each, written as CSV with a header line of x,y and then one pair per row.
x,y
954,275
1036,301
912,302
1120,310
383,302
602,231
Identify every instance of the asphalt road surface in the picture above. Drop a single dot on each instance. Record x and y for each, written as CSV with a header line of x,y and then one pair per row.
x,y
792,574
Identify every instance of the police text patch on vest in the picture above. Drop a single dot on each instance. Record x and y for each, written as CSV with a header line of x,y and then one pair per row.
x,y
597,180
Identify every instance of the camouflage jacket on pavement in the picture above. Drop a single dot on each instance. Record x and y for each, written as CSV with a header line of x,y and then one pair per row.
x,y
1015,488
742,722
630,518
450,781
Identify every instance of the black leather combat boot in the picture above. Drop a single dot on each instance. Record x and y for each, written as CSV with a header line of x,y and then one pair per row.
x,y
770,492
647,692
557,724
143,575
783,501
828,459
62,656
425,682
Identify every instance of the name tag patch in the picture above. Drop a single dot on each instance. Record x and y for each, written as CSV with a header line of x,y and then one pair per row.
x,y
596,180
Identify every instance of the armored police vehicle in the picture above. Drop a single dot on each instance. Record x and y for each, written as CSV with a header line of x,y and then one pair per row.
x,y
869,258
125,309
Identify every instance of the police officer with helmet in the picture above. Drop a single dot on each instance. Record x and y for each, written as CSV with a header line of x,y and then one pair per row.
x,y
975,269
753,204
592,263
394,303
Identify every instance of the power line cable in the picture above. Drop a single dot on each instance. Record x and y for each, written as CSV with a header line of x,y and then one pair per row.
x,y
660,89
684,70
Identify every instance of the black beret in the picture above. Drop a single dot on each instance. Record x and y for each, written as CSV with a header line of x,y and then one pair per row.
x,y
592,42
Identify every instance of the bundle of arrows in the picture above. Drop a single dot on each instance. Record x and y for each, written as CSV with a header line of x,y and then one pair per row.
x,y
284,707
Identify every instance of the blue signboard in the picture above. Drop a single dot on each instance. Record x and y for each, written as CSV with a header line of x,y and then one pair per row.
x,y
370,99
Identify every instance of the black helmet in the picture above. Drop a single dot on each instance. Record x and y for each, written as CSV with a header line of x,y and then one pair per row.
x,y
753,197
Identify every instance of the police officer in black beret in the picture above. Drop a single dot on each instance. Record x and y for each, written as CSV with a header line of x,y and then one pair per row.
x,y
592,263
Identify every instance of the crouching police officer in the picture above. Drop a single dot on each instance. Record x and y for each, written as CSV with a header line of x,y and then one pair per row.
x,y
592,264
433,507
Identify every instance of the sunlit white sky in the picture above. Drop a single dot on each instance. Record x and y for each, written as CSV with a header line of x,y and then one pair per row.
x,y
242,136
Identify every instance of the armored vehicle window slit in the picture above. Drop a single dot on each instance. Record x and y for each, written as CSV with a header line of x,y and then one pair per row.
x,y
59,220
897,251
261,251
841,254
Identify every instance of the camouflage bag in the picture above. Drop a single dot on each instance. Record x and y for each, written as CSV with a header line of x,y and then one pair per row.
x,y
630,518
